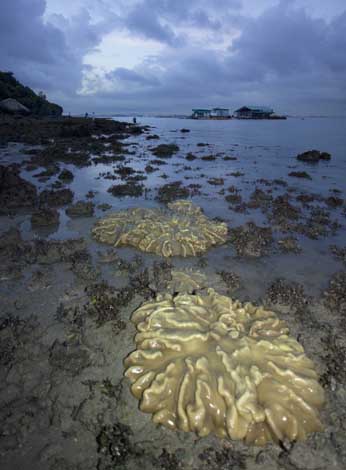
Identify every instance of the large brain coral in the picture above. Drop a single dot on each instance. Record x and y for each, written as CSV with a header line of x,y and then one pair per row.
x,y
209,364
182,230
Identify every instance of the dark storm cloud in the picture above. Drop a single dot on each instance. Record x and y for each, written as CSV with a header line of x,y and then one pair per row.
x,y
22,33
211,54
145,23
155,19
284,58
47,54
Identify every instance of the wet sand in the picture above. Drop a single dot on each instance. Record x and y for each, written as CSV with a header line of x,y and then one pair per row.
x,y
66,300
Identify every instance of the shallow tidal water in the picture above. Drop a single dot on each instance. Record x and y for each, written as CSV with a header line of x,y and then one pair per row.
x,y
263,151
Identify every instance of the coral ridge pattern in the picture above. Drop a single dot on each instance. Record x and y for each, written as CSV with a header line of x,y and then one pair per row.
x,y
182,230
209,364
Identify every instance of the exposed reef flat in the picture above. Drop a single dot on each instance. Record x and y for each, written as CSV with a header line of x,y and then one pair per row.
x,y
67,300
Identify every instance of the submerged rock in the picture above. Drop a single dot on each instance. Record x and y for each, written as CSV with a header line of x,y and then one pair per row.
x,y
300,174
66,175
190,156
44,217
15,192
334,201
80,209
165,150
172,191
53,198
128,189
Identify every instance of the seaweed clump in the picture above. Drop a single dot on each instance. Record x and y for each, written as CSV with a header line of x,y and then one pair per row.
x,y
182,230
114,446
210,364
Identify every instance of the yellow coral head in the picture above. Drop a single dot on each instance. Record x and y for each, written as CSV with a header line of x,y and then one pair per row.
x,y
182,230
209,364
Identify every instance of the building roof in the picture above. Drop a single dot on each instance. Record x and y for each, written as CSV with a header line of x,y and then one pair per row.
x,y
220,109
201,110
258,109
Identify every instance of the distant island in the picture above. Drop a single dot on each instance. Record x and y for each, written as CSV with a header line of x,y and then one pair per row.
x,y
16,98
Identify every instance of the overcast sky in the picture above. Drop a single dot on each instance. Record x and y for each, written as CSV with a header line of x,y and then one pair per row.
x,y
168,56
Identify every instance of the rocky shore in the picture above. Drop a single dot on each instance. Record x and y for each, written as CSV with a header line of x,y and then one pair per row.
x,y
66,300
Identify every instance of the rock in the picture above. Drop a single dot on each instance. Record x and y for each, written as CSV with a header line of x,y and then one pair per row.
x,y
152,137
233,198
70,358
172,191
44,217
150,169
325,156
104,207
209,158
216,181
228,158
15,192
56,198
190,156
80,209
300,174
165,150
66,175
333,201
184,130
121,190
13,106
313,156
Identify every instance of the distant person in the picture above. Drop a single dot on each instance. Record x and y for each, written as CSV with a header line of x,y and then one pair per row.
x,y
134,120
86,115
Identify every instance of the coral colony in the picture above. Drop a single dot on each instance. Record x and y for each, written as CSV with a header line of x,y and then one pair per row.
x,y
182,230
209,364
